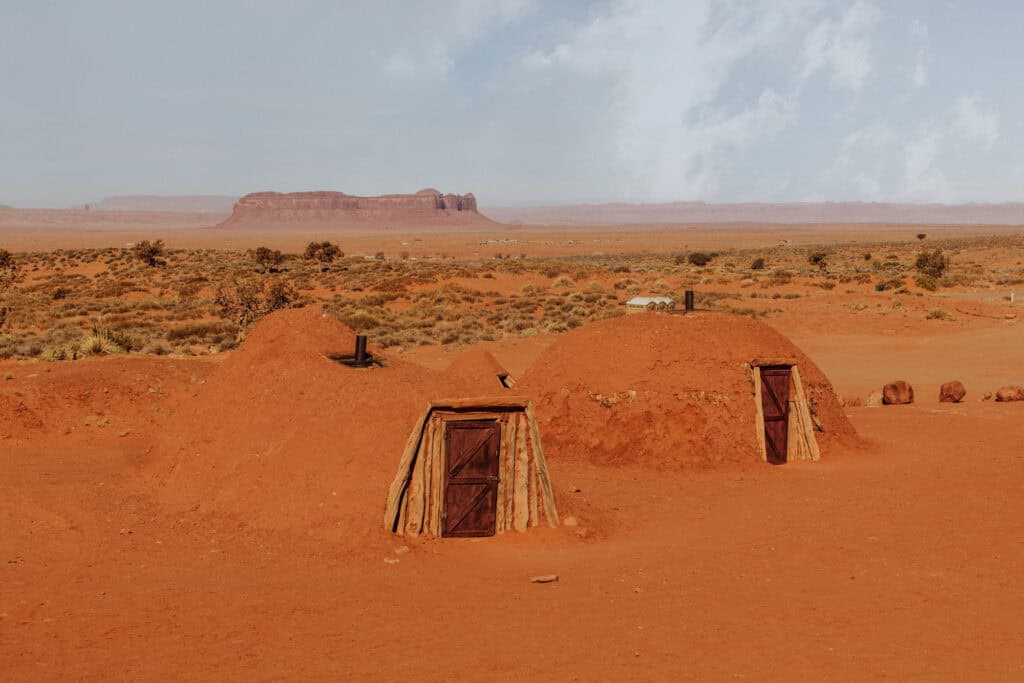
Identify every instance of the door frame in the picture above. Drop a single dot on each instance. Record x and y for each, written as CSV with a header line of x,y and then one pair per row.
x,y
801,444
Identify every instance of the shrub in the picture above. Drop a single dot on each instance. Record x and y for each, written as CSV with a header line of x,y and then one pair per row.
x,y
933,263
818,259
10,270
892,283
266,257
867,255
699,258
324,252
921,235
150,253
926,282
757,264
938,314
247,299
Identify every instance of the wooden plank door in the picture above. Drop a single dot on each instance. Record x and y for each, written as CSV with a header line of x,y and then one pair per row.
x,y
471,478
775,382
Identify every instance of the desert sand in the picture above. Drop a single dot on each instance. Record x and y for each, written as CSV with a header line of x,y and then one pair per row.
x,y
217,516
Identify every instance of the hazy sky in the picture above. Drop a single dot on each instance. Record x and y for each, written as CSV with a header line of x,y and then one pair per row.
x,y
516,100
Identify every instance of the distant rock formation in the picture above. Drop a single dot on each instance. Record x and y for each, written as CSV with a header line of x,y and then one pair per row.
x,y
427,207
216,204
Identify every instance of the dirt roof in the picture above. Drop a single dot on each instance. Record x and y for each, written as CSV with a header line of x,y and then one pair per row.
x,y
280,436
665,390
477,365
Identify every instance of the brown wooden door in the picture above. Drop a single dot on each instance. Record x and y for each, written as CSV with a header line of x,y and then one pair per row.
x,y
775,383
471,478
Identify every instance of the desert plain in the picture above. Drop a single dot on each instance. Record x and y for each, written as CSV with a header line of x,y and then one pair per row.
x,y
174,502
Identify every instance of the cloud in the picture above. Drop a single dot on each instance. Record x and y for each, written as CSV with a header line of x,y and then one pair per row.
x,y
973,122
919,38
664,66
842,46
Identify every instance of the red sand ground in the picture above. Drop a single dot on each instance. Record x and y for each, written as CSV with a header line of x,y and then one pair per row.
x,y
898,561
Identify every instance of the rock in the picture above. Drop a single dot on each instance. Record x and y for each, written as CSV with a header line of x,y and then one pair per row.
x,y
874,399
987,396
897,393
338,208
570,521
1010,393
952,392
544,578
197,350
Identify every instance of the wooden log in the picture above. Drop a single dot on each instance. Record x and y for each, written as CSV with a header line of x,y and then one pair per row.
x,y
755,375
796,440
533,487
415,494
520,494
482,402
401,479
547,495
452,416
508,472
759,362
440,461
804,411
503,450
429,479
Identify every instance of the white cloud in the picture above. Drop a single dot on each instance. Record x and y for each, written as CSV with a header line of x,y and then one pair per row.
x,y
842,46
665,65
919,38
972,121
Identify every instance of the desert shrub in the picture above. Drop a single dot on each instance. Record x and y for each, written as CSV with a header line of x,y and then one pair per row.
x,y
699,258
150,253
757,264
933,263
267,257
938,314
921,235
10,270
926,282
779,277
818,259
247,299
867,255
324,252
886,285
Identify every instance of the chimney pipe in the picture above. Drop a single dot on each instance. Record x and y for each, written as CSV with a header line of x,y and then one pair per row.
x,y
689,300
360,356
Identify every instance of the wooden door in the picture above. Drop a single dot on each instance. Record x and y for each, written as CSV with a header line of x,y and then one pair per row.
x,y
471,478
775,382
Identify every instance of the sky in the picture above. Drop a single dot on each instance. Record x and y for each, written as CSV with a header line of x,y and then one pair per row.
x,y
518,101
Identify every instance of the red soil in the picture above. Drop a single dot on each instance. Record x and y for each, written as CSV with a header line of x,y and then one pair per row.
x,y
899,562
666,391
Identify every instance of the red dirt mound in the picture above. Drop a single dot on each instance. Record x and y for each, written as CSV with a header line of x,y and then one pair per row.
x,y
282,437
326,209
478,366
95,395
665,391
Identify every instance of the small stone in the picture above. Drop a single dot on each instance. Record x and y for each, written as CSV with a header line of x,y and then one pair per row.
x,y
952,392
124,432
544,578
897,393
570,521
390,560
1010,393
401,550
874,399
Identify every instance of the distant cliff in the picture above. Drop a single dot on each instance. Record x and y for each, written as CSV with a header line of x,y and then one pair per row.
x,y
299,209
